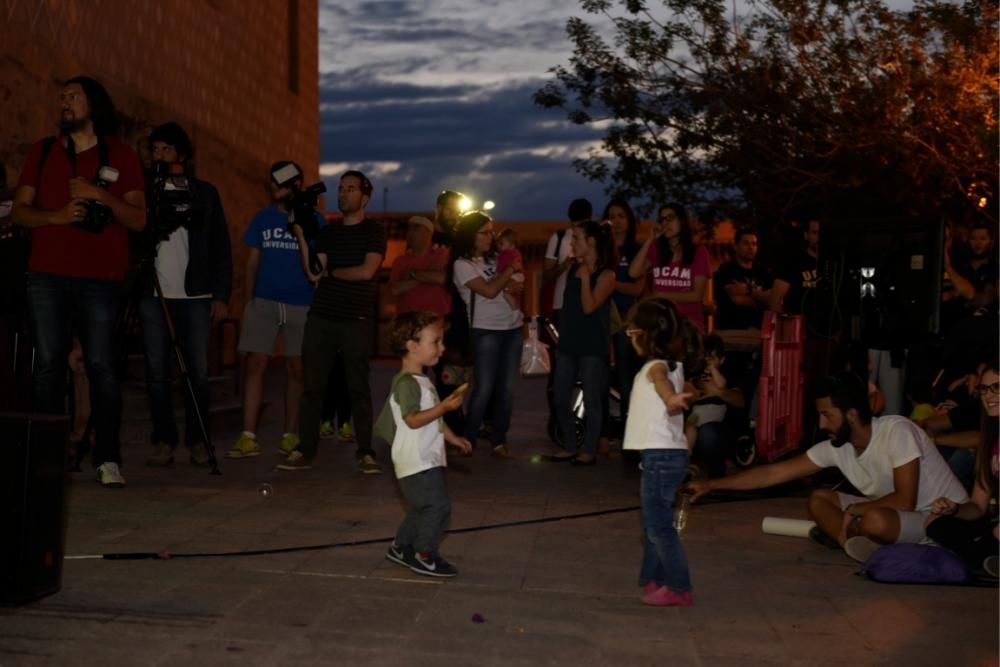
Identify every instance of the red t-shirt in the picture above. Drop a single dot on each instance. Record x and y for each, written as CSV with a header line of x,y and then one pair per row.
x,y
66,250
434,298
676,277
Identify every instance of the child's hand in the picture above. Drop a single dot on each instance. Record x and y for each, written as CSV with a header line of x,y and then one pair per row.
x,y
944,507
678,403
461,444
453,402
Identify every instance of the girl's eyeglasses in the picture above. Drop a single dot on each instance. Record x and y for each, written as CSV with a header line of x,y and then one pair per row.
x,y
987,389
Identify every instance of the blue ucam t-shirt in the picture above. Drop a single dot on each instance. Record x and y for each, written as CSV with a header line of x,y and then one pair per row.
x,y
279,276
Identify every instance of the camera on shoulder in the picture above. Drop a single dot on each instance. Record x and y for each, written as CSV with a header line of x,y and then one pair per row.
x,y
301,203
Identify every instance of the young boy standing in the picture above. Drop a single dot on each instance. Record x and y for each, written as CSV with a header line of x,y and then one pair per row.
x,y
412,421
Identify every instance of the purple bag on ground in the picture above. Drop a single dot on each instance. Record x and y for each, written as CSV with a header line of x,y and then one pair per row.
x,y
915,564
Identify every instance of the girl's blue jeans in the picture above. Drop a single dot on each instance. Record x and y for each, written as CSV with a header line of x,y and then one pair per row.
x,y
663,558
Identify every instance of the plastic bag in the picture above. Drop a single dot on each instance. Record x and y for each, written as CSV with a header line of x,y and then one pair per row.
x,y
534,354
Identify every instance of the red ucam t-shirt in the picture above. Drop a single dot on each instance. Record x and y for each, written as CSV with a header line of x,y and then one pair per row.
x,y
434,298
66,250
677,277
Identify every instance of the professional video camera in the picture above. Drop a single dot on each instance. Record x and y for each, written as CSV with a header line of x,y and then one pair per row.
x,y
99,215
172,201
301,203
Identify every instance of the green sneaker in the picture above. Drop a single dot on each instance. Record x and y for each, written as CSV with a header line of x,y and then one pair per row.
x,y
346,433
327,430
245,447
289,443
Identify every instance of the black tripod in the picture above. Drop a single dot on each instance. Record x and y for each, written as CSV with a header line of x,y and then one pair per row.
x,y
144,276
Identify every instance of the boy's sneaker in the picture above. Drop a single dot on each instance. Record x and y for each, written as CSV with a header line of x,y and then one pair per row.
x,y
199,455
399,554
435,566
746,451
295,461
368,466
245,447
109,476
163,457
289,443
327,430
346,433
664,597
860,548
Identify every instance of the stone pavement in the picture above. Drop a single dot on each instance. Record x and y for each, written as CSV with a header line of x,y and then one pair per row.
x,y
560,593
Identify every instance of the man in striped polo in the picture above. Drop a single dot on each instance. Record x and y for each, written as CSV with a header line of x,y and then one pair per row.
x,y
340,319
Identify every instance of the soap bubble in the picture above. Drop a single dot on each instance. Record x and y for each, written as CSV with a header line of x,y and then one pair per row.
x,y
265,490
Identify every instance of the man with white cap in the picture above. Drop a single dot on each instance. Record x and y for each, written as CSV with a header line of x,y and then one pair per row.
x,y
417,280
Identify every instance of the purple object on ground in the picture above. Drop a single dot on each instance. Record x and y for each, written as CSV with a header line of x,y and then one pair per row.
x,y
478,618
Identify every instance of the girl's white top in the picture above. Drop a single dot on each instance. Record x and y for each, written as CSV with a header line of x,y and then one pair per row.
x,y
649,426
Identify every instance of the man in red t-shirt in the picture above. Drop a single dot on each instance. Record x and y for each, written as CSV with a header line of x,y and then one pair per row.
x,y
418,277
76,268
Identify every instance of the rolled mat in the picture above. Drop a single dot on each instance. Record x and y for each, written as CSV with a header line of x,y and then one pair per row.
x,y
774,525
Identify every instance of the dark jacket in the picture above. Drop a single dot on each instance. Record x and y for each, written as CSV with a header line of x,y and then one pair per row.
x,y
210,255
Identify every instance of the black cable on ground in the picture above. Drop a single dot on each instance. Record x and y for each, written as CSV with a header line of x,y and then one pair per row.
x,y
165,555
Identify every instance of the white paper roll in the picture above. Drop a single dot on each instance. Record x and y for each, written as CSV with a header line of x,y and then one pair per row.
x,y
774,525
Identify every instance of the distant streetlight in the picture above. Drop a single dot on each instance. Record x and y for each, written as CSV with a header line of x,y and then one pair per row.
x,y
488,205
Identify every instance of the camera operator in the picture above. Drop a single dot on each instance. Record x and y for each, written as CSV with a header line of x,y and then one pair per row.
x,y
188,243
75,274
277,295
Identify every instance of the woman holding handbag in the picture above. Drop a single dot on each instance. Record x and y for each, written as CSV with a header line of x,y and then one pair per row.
x,y
493,302
582,351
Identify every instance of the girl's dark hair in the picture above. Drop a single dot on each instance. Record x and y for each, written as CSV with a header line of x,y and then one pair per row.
x,y
630,246
102,109
663,250
604,244
988,438
668,335
464,240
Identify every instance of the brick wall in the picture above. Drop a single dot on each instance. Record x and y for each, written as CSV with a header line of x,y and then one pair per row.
x,y
220,68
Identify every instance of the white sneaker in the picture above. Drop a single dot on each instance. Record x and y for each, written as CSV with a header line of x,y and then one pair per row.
x,y
109,476
860,548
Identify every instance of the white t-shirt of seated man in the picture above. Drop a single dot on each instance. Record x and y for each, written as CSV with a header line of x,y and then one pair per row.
x,y
895,442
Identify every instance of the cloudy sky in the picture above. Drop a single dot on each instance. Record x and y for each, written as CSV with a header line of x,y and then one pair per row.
x,y
425,95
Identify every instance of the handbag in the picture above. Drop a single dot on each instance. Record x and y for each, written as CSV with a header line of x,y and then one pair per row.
x,y
535,360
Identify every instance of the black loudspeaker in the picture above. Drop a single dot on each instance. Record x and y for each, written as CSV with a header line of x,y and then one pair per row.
x,y
33,500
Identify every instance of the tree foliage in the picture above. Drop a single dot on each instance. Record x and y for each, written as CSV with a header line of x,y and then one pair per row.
x,y
774,106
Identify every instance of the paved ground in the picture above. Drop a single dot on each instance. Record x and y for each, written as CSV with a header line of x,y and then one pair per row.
x,y
560,593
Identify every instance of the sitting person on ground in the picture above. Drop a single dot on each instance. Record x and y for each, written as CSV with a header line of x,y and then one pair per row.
x,y
954,426
888,459
970,529
707,426
412,421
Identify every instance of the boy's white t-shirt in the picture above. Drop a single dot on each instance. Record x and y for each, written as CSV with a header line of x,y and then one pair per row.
x,y
565,252
415,450
895,441
493,314
649,426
